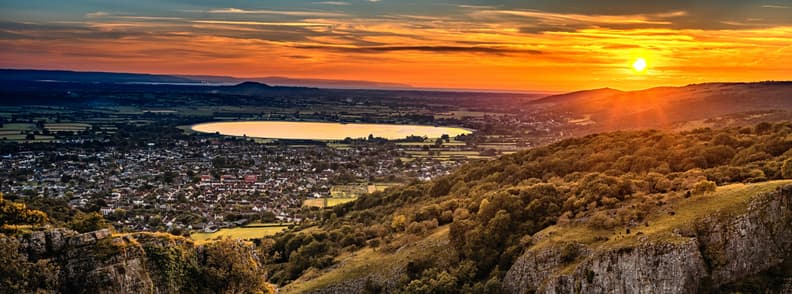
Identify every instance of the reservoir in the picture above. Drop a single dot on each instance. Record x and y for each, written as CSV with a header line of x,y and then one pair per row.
x,y
323,130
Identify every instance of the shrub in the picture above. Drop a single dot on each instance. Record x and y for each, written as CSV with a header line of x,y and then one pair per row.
x,y
704,187
786,169
88,222
601,220
569,252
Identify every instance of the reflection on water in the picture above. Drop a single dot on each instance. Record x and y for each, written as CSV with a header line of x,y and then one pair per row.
x,y
323,130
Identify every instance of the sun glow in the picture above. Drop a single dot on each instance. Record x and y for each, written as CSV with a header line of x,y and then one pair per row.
x,y
639,65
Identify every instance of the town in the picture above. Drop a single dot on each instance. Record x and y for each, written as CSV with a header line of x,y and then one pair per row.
x,y
206,183
134,158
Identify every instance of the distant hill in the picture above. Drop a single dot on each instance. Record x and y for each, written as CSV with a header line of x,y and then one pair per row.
x,y
297,82
575,97
113,77
246,88
87,77
658,107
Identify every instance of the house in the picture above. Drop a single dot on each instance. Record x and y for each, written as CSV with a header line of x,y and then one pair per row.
x,y
106,211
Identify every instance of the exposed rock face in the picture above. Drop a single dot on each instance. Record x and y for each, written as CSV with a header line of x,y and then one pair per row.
x,y
750,243
93,262
721,251
63,261
107,267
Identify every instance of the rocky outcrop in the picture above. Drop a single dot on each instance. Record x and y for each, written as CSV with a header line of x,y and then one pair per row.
x,y
736,248
64,261
95,262
114,265
719,251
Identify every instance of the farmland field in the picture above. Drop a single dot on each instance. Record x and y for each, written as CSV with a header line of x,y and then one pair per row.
x,y
67,127
338,201
326,202
252,231
18,127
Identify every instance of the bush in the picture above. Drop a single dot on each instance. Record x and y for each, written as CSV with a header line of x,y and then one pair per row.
x,y
601,220
704,187
88,222
13,213
569,253
786,169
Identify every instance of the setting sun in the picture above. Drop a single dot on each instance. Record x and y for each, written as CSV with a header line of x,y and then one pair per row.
x,y
639,65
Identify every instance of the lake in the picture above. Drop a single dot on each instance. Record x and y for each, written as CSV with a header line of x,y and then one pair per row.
x,y
323,130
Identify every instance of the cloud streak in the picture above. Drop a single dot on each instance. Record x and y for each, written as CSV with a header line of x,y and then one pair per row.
x,y
262,23
432,49
277,12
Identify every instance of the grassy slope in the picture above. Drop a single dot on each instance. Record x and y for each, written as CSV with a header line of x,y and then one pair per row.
x,y
727,200
367,262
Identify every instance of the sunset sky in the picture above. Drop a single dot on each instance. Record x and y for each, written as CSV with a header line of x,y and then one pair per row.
x,y
526,45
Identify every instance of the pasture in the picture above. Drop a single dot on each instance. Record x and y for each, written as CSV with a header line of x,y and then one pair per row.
x,y
251,231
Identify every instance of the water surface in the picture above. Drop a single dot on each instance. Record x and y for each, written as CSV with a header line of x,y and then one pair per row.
x,y
323,130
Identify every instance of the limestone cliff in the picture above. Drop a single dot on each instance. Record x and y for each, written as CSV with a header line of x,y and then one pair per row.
x,y
740,248
63,261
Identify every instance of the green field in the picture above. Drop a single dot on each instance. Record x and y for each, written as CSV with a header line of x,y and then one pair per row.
x,y
67,127
338,201
18,127
252,231
326,202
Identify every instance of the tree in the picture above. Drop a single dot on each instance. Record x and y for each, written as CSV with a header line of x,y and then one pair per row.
x,y
88,222
13,213
231,266
786,169
19,275
399,223
440,188
704,187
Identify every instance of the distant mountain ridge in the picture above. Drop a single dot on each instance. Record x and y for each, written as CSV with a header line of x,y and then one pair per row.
x,y
87,77
560,98
114,77
293,82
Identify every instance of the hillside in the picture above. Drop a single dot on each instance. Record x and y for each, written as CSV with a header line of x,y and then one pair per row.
x,y
660,107
683,239
696,211
556,218
114,77
87,77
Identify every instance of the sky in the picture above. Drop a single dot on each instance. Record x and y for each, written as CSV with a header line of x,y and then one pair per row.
x,y
549,45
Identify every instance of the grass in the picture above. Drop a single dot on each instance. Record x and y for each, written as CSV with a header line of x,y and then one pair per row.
x,y
339,146
358,264
326,202
729,200
22,138
347,196
252,231
67,127
380,187
338,201
18,127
